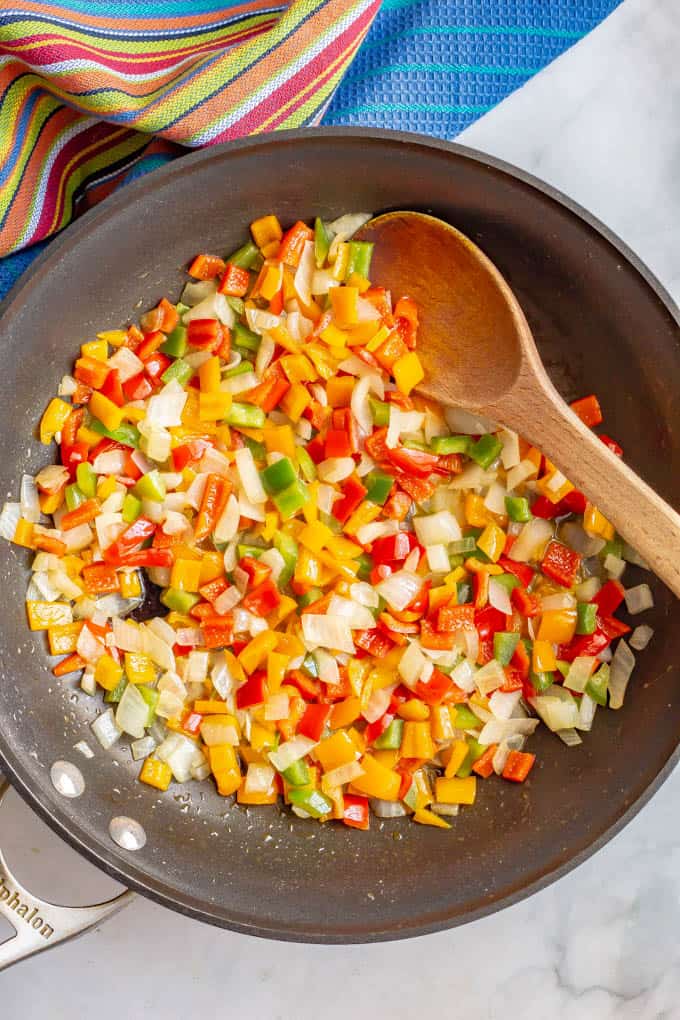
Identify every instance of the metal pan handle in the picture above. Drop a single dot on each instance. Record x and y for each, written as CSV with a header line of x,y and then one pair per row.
x,y
40,925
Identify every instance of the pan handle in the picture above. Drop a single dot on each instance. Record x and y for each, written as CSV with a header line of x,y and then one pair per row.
x,y
40,925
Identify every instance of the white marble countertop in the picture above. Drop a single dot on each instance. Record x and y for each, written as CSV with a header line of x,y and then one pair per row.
x,y
601,124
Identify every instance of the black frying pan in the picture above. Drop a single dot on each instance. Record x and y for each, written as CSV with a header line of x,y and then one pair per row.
x,y
602,323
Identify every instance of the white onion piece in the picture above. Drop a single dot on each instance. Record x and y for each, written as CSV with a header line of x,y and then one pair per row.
x,y
579,540
365,594
368,533
515,742
387,808
249,476
327,632
105,729
108,528
496,730
556,713
614,566
259,778
132,713
225,602
213,462
126,363
275,561
215,306
412,664
240,383
510,457
438,528
110,463
198,358
400,589
638,599
52,478
30,504
438,559
495,498
641,637
356,615
143,747
116,605
227,526
464,676
325,497
304,274
504,703
327,666
580,672
369,383
265,353
499,597
335,469
337,777
88,646
622,665
155,441
253,511
472,477
221,676
195,292
179,752
532,541
586,713
520,473
490,677
467,423
299,326
348,224
378,703
631,556
401,421
67,387
291,751
9,518
165,408
261,321
569,737
588,589
277,706
322,281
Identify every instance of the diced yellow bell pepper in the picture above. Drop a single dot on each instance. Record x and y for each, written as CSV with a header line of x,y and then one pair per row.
x,y
282,337
492,541
357,671
543,658
209,375
130,586
106,487
139,668
108,413
339,390
222,758
53,420
459,752
455,791
295,401
286,606
265,230
307,569
298,368
108,673
423,789
382,675
257,650
554,486
212,567
364,514
64,639
335,751
597,524
343,548
49,502
558,626
408,372
176,620
415,710
271,250
417,740
325,360
262,738
315,536
209,706
228,782
333,335
345,712
256,797
213,406
279,439
187,552
42,615
156,773
271,525
387,758
88,436
115,337
359,336
344,303
438,597
133,414
277,664
377,781
476,514
270,282
23,534
377,341
186,575
440,720
360,282
97,349
341,262
426,817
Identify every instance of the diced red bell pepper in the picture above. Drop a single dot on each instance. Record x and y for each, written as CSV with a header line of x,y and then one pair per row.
x,y
373,642
514,679
375,444
609,598
213,502
235,281
397,506
524,602
484,765
72,456
489,620
337,444
191,723
406,321
449,463
316,449
146,558
113,389
611,444
130,469
455,618
419,489
612,627
309,688
150,344
417,463
156,364
584,644
396,637
561,564
205,334
91,372
419,603
544,508
588,409
353,493
132,539
262,600
341,690
355,811
179,651
257,572
434,690
574,502
253,691
213,589
434,640
206,267
293,243
313,721
189,453
377,728
138,387
518,766
393,548
520,660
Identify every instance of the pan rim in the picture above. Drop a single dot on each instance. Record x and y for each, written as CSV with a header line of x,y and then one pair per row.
x,y
112,862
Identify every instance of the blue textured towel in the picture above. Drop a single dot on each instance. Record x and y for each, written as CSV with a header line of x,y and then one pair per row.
x,y
433,66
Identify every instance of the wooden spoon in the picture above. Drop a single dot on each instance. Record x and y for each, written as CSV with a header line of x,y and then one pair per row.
x,y
478,353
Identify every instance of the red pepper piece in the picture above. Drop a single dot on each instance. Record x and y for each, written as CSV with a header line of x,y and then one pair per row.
x,y
205,334
489,620
309,688
138,387
189,452
377,728
522,571
397,506
69,431
257,572
156,364
150,344
419,489
316,449
561,564
520,660
146,558
542,507
611,627
91,372
353,493
181,650
393,548
434,690
406,321
262,600
113,389
588,409
609,598
100,579
235,281
484,765
417,463
341,690
455,618
585,644
518,766
525,603
337,444
293,243
355,812
218,636
611,444
313,721
191,723
132,539
434,640
373,642
206,267
82,514
514,680
72,456
214,499
253,691
375,444
574,502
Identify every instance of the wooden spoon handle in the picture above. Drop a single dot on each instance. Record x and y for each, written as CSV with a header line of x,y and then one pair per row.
x,y
638,513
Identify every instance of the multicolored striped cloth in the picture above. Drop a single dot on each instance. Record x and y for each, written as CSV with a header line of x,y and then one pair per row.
x,y
94,92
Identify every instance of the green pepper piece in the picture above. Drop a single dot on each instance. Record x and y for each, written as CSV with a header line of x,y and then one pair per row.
x,y
151,696
504,644
306,464
178,600
378,487
450,444
475,751
176,344
258,450
179,370
279,475
132,508
563,667
309,665
613,548
245,416
517,509
236,304
486,450
74,497
114,696
466,719
288,501
586,617
463,546
288,548
242,368
380,411
598,685
541,681
390,739
126,435
246,257
182,308
359,260
463,592
322,242
456,560
309,597
243,337
310,800
331,522
365,564
509,581
416,444
297,774
150,486
411,797
86,479
250,550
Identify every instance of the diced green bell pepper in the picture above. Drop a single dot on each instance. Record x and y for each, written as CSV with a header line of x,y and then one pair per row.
x,y
151,696
466,719
598,685
114,696
242,368
241,336
245,416
246,257
250,550
365,563
279,475
613,548
306,464
132,508
288,548
359,261
288,501
236,304
380,411
541,681
475,751
258,450
150,486
390,739
86,479
463,546
179,601
179,370
74,497
309,665
297,774
463,592
309,597
127,435
504,645
486,450
310,800
378,487
450,444
586,617
175,345
517,509
322,242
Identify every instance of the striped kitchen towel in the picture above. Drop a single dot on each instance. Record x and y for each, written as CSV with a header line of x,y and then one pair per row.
x,y
95,92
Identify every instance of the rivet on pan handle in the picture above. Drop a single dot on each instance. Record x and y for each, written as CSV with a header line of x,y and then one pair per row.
x,y
40,925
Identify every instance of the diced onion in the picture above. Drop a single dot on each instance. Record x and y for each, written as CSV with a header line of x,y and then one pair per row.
x,y
343,774
588,589
335,469
641,637
614,566
504,703
586,713
369,383
438,528
401,421
563,600
556,713
126,363
638,599
143,747
579,540
531,541
356,615
464,676
327,666
106,730
520,473
569,737
365,594
399,589
631,556
327,632
499,597
580,672
9,518
490,677
412,664
495,498
515,742
348,224
133,712
322,281
52,478
438,559
198,291
249,476
179,752
30,504
467,423
387,808
304,273
291,751
368,533
496,730
510,456
472,477
261,321
215,306
622,665
216,730
277,706
259,778
378,703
